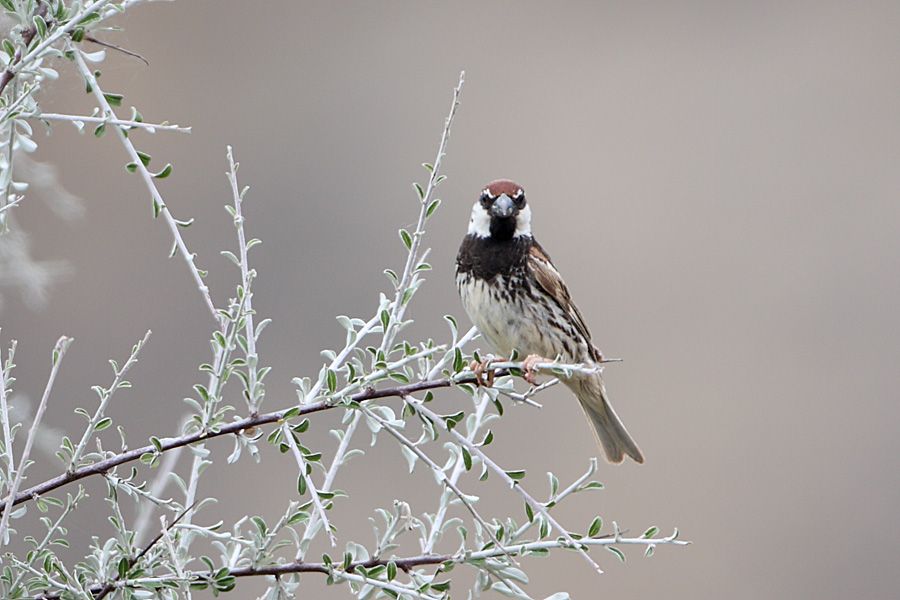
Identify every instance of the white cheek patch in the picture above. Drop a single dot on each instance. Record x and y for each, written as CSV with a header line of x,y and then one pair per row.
x,y
523,222
479,222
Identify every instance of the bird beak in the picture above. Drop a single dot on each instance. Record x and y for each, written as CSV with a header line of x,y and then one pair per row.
x,y
502,207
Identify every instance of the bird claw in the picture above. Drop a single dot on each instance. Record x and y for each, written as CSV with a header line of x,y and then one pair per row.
x,y
528,365
483,375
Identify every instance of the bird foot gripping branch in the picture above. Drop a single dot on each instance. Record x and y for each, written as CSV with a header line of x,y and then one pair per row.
x,y
528,367
484,374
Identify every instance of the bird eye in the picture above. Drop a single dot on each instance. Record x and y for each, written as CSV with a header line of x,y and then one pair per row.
x,y
519,199
486,199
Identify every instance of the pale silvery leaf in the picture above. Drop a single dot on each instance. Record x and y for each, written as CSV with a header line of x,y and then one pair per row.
x,y
94,57
27,144
410,457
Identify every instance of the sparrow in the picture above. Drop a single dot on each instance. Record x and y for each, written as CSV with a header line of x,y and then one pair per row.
x,y
518,301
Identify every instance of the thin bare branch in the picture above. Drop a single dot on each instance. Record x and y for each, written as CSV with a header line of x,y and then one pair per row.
x,y
59,351
458,469
147,177
313,492
4,413
105,397
247,277
10,204
148,127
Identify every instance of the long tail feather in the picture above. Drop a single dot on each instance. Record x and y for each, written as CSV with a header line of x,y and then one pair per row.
x,y
608,428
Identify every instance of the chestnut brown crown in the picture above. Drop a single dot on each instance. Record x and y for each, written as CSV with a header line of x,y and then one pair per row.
x,y
504,186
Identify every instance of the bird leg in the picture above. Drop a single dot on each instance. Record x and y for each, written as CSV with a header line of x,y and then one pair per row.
x,y
481,369
528,367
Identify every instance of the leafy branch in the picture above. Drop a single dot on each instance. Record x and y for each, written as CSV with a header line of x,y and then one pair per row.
x,y
148,453
360,378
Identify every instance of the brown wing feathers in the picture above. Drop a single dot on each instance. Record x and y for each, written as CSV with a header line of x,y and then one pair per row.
x,y
550,280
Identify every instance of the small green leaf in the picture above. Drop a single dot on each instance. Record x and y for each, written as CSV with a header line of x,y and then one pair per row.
x,y
8,5
202,391
114,99
100,130
331,381
391,570
400,377
432,207
123,567
9,48
406,238
40,25
650,533
517,475
298,517
595,527
467,459
145,158
529,513
78,34
453,420
131,167
166,171
554,484
544,528
260,525
90,18
458,362
385,319
617,552
103,424
301,485
419,191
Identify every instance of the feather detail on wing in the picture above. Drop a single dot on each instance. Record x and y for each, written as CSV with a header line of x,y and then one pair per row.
x,y
541,267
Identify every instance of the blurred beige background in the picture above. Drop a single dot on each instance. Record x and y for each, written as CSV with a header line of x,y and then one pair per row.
x,y
718,182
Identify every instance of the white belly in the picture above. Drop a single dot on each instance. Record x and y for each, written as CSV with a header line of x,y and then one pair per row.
x,y
513,322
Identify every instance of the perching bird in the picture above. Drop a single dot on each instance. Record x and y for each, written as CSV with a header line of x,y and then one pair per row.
x,y
518,300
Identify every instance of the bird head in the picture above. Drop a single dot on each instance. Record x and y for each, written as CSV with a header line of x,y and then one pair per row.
x,y
501,212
